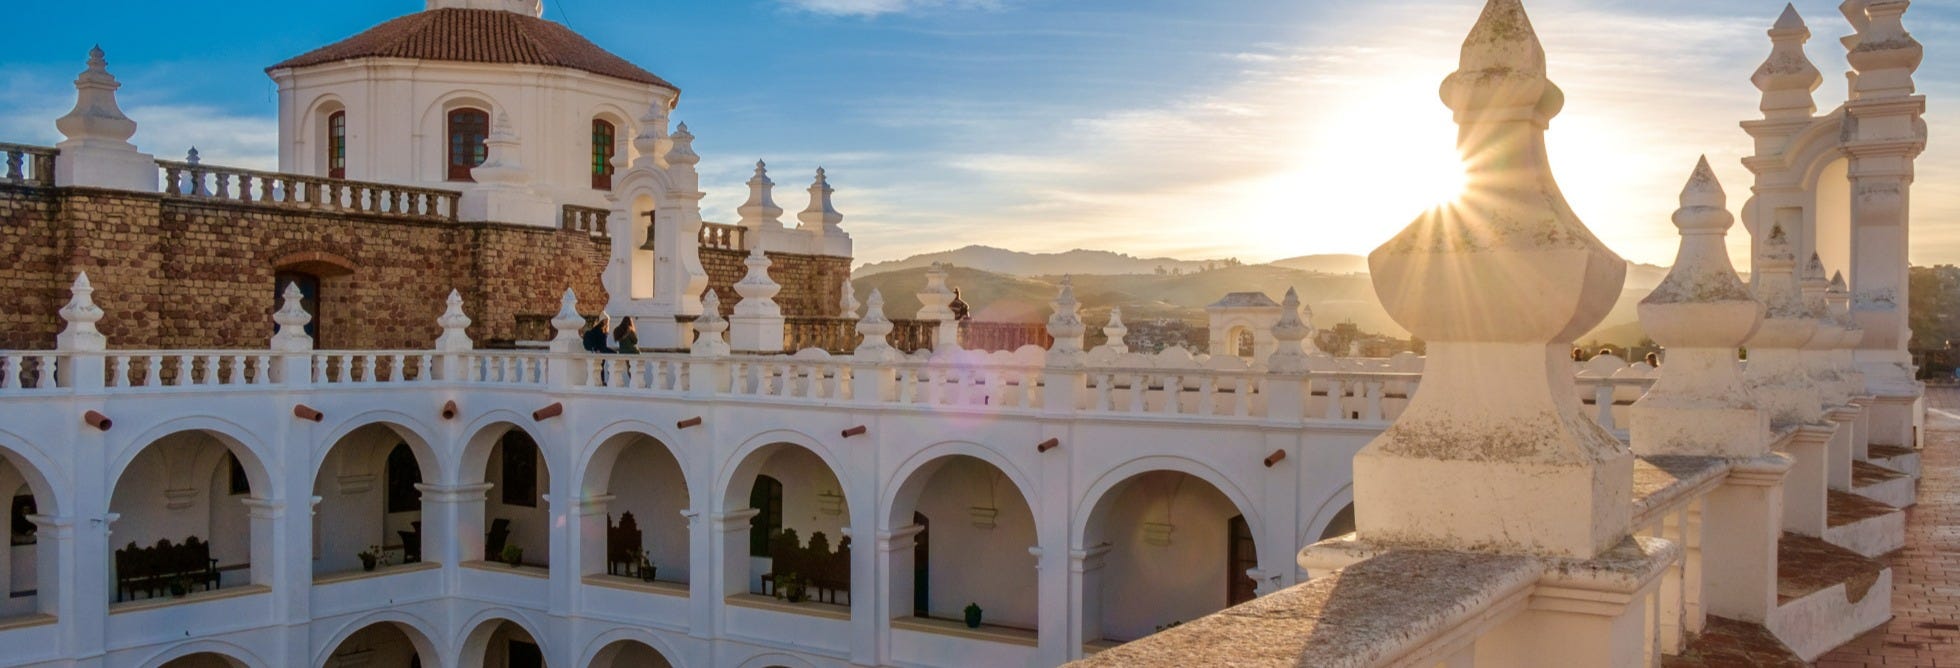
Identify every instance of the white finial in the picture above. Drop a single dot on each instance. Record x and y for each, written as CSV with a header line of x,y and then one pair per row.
x,y
1884,54
1787,78
1065,325
761,212
848,305
757,289
1115,333
1290,331
709,341
876,345
503,162
292,318
455,325
681,152
568,323
81,314
192,156
653,131
97,121
821,215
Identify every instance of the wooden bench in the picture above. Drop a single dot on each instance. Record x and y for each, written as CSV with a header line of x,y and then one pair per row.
x,y
153,569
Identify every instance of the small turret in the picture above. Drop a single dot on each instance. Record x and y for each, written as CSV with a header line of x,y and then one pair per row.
x,y
761,212
1787,78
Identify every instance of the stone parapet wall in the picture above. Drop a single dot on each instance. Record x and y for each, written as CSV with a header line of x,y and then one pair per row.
x,y
812,284
181,273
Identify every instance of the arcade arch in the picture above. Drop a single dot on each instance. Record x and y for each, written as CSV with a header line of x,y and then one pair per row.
x,y
183,499
643,490
368,499
1164,547
967,543
801,519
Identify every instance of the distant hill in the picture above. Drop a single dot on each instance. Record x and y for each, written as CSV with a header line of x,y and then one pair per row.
x,y
1016,263
1326,264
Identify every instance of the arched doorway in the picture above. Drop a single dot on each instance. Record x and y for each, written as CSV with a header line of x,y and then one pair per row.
x,y
1167,547
640,535
383,645
185,518
629,654
805,556
970,529
370,512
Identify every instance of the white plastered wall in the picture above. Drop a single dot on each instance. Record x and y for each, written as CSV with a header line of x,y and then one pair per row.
x,y
647,481
193,466
970,563
1145,585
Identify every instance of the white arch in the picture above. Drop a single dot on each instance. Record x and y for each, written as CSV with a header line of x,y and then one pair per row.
x,y
1322,516
476,446
740,461
235,437
411,430
903,475
484,622
206,646
40,472
611,441
628,634
420,633
1085,506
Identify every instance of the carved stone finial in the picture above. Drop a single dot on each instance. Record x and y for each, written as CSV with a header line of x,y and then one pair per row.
x,y
876,330
1290,331
757,289
1066,327
821,215
96,121
292,318
1776,370
1788,78
681,152
847,306
81,314
503,160
761,212
710,327
455,326
1499,283
653,131
1116,334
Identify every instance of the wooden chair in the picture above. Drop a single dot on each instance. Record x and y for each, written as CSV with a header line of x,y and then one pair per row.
x,y
623,546
495,538
412,544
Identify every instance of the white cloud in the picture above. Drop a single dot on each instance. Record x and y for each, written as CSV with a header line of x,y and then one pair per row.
x,y
878,7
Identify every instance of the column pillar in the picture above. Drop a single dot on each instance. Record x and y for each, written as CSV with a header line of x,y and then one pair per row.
x,y
452,522
1741,525
1806,488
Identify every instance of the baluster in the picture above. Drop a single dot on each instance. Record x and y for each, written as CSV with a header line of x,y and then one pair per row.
x,y
122,371
619,373
11,380
904,387
1139,387
1030,380
153,371
1372,410
1207,395
224,184
593,366
344,368
245,187
184,370
14,160
263,374
320,369
237,376
268,189
45,376
1336,390
1603,400
368,365
1242,388
425,367
212,370
397,364
935,385
171,175
1173,394
956,390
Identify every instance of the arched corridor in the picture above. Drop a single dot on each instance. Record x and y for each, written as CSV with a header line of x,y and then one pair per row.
x,y
22,569
635,491
970,530
629,654
185,518
370,512
501,643
516,517
383,645
795,545
1164,547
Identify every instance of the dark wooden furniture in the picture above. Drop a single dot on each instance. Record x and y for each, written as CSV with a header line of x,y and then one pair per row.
x,y
623,546
823,572
153,569
412,544
494,539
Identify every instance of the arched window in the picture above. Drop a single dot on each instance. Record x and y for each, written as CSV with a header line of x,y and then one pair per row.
x,y
602,154
766,496
337,145
520,482
238,482
467,130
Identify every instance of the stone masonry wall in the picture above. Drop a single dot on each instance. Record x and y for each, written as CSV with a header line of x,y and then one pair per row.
x,y
181,273
812,284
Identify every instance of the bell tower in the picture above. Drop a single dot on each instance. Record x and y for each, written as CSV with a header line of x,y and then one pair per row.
x,y
525,7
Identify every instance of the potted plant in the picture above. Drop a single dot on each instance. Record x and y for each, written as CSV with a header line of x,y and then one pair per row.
x,y
973,615
180,586
513,555
791,587
646,567
370,557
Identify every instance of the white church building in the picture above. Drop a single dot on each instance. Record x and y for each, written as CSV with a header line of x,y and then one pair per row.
x,y
457,506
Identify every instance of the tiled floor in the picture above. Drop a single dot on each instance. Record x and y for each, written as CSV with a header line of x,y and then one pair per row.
x,y
1926,574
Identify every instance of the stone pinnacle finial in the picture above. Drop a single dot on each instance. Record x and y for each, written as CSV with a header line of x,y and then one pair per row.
x,y
1115,333
503,162
821,215
876,330
455,325
81,314
757,289
568,319
653,130
1066,326
1501,66
1776,286
96,121
291,336
1884,54
1290,331
761,212
681,153
1704,205
710,326
1787,78
847,306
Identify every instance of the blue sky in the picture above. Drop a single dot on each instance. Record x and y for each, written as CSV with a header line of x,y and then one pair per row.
x,y
1259,129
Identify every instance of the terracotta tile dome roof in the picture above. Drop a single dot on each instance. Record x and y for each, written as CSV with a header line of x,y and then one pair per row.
x,y
479,36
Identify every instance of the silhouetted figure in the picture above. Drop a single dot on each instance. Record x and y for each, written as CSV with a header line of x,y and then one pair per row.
x,y
595,338
1654,360
960,310
626,336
